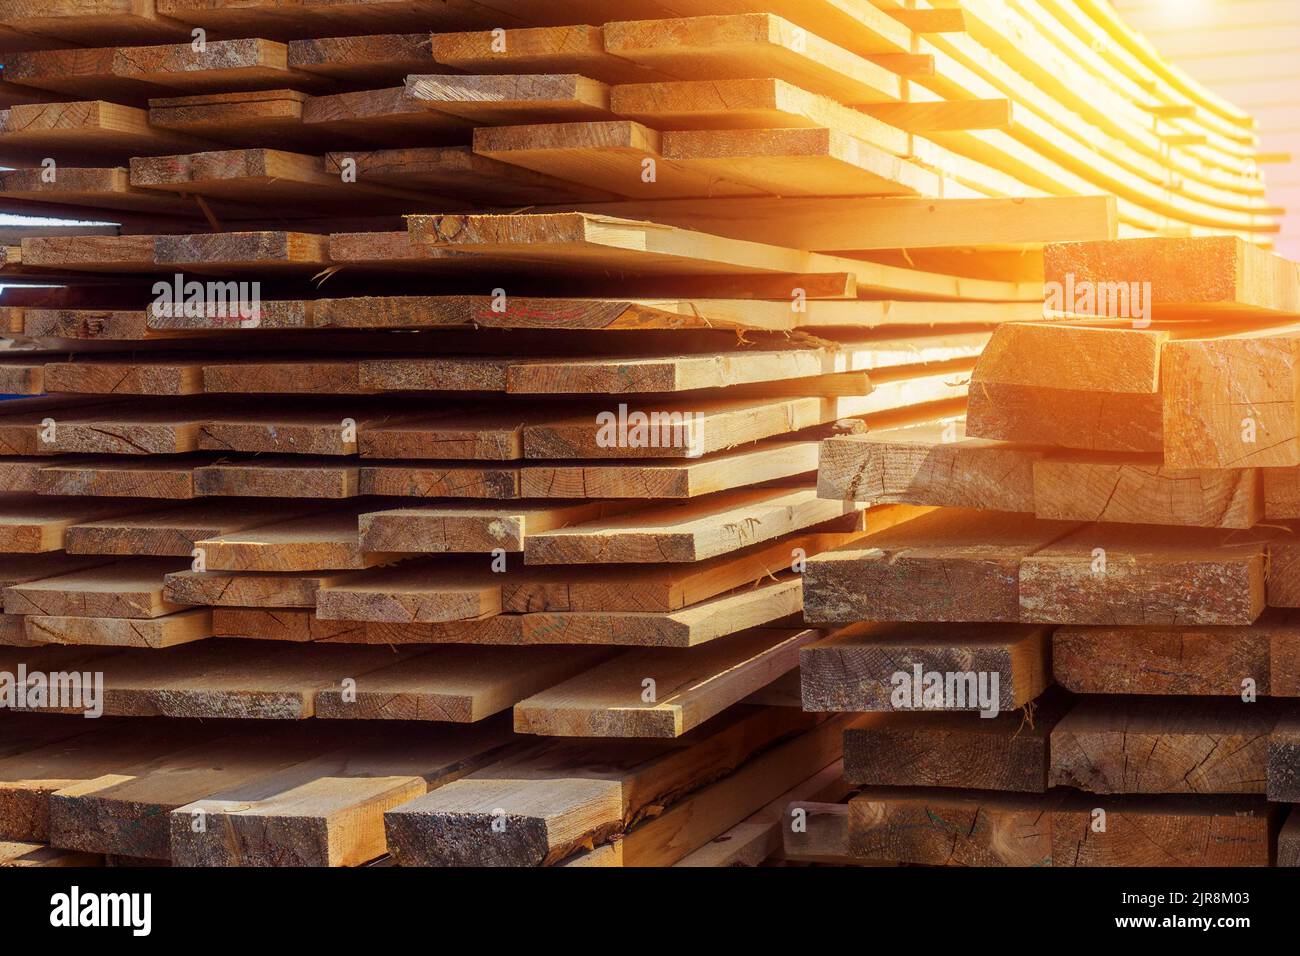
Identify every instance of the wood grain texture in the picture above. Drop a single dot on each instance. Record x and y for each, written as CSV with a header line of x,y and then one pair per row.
x,y
1163,745
862,667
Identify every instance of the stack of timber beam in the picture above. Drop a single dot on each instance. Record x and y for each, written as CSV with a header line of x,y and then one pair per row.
x,y
1110,570
425,455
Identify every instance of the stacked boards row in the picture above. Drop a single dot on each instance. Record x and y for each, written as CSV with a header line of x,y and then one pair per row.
x,y
1122,616
465,371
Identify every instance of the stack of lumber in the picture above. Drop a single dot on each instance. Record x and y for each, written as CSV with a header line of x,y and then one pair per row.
x,y
1113,537
426,456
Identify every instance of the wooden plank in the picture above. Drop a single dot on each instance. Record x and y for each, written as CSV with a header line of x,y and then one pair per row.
x,y
703,528
581,49
889,667
39,854
326,541
315,431
766,103
29,777
930,464
29,524
138,72
438,480
557,798
372,61
100,188
575,241
951,827
19,569
949,565
685,688
1288,841
109,477
694,821
1221,661
271,118
619,157
965,751
759,836
633,374
127,809
1281,492
1232,401
119,429
123,589
169,531
253,176
279,477
1071,418
1134,489
1207,275
387,117
721,471
455,684
662,587
167,630
22,474
96,127
749,45
327,811
1128,574
1164,745
112,22
315,18
413,592
525,312
823,836
461,172
1086,358
100,376
1167,831
245,679
494,100
268,251
884,222
283,624
467,528
493,435
250,589
133,253
708,620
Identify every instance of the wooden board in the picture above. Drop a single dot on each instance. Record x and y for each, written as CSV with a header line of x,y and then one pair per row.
x,y
326,811
948,565
469,528
130,589
48,764
1201,276
167,630
1187,660
1127,574
929,464
173,530
685,688
455,684
951,827
883,667
1140,489
1163,745
247,679
703,528
1167,831
556,798
965,751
